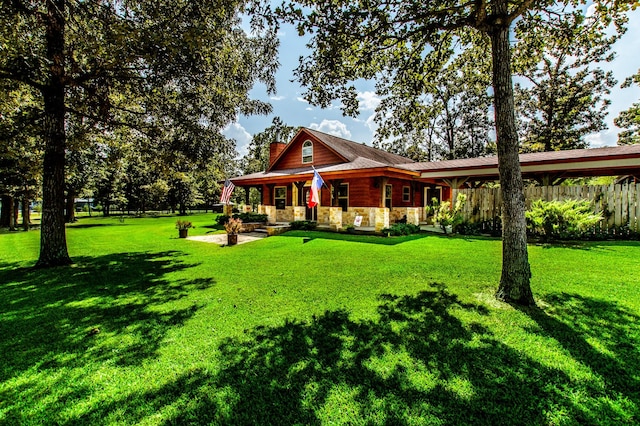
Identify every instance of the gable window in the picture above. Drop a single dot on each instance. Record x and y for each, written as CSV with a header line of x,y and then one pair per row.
x,y
307,152
406,194
281,197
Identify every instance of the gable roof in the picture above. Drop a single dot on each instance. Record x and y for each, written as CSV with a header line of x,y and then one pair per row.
x,y
353,150
347,150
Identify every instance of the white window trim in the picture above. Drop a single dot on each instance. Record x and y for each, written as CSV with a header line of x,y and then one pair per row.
x,y
310,146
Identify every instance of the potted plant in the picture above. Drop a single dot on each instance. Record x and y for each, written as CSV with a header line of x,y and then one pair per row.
x,y
183,227
233,226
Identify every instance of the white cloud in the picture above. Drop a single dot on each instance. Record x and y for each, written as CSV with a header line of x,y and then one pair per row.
x,y
308,109
301,99
369,101
332,127
241,136
277,98
605,138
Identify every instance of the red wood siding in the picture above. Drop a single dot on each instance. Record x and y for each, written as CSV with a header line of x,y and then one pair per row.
x,y
293,156
396,195
363,194
267,195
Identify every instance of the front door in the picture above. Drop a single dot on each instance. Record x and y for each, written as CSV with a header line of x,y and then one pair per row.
x,y
310,213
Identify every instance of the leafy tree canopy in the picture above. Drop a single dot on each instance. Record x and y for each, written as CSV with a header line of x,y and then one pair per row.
x,y
629,119
565,98
177,71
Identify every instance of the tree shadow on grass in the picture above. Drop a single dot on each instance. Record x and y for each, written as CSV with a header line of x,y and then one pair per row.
x,y
107,308
417,363
600,334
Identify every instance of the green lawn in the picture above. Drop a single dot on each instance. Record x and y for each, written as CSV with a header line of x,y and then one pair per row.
x,y
146,328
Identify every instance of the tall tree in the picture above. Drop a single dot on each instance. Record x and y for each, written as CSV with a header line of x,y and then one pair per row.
x,y
189,61
449,112
398,42
629,119
20,151
565,98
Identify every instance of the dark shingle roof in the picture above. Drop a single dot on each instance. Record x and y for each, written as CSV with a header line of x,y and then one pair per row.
x,y
352,150
530,158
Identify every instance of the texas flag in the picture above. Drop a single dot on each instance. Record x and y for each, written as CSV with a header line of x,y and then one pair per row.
x,y
316,184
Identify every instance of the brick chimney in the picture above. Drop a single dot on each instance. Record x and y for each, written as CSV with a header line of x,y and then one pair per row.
x,y
274,150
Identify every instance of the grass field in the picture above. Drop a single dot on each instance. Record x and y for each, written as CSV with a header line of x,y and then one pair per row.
x,y
146,328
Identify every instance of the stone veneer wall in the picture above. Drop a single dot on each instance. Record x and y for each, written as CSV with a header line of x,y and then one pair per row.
x,y
285,215
323,215
349,216
413,215
335,218
270,211
381,218
299,213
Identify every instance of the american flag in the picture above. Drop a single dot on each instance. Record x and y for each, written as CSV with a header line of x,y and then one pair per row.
x,y
226,191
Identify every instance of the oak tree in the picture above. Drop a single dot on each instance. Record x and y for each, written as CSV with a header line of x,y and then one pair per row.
x,y
629,119
401,42
162,67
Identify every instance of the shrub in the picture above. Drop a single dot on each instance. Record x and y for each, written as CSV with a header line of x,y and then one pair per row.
x,y
468,228
569,219
245,217
252,217
398,229
222,219
303,225
446,216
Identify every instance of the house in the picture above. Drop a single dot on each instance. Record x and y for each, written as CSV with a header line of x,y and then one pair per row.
x,y
383,188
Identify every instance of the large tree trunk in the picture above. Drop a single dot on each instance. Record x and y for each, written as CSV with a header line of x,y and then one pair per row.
x,y
514,283
26,217
12,214
53,240
5,212
70,209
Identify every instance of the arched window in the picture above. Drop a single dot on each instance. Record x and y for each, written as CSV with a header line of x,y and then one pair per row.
x,y
307,152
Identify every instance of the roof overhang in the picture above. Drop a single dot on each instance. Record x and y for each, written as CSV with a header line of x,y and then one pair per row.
x,y
286,177
535,166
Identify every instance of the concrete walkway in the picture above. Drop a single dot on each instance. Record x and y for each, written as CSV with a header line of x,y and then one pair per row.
x,y
221,239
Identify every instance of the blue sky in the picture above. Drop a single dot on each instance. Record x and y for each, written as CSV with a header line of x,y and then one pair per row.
x,y
294,111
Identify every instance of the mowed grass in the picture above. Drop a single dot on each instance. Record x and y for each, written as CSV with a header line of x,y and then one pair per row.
x,y
146,328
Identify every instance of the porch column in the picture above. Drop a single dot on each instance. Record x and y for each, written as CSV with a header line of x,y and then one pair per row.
x,y
299,213
413,215
381,218
300,187
335,218
270,211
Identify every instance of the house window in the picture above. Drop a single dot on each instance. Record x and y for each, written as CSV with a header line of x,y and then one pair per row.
x,y
406,194
343,196
281,197
307,152
387,196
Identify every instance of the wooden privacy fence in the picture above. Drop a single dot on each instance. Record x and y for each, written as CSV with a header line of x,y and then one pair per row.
x,y
619,204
